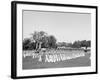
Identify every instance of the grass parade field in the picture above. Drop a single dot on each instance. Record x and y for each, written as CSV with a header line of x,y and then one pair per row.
x,y
55,59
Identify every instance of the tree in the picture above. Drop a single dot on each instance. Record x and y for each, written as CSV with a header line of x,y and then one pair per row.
x,y
52,41
86,44
45,41
38,37
69,45
62,44
32,46
76,44
40,40
26,43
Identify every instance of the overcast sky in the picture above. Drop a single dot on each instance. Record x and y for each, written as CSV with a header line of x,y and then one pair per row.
x,y
66,27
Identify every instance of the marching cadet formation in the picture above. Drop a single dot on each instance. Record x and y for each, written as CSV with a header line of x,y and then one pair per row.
x,y
61,57
54,56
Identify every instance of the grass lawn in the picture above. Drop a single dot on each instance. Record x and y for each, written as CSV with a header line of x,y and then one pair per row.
x,y
30,63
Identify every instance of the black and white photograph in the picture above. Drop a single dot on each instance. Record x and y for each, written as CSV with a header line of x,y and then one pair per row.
x,y
54,39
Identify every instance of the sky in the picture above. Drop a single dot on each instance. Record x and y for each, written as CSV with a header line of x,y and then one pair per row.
x,y
65,26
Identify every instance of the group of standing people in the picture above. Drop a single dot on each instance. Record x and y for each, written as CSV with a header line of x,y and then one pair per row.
x,y
55,57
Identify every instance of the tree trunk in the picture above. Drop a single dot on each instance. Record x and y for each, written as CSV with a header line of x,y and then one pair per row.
x,y
86,47
40,45
36,45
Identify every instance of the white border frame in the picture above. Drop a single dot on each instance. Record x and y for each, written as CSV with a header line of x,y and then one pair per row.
x,y
35,72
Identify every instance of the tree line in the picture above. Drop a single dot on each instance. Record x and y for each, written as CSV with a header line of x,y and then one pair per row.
x,y
41,39
76,44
